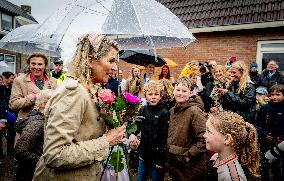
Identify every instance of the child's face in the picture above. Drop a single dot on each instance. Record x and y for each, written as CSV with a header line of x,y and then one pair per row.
x,y
276,97
181,93
194,79
260,97
215,141
153,97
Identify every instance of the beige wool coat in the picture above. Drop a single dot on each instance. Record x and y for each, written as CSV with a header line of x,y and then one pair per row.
x,y
74,140
22,94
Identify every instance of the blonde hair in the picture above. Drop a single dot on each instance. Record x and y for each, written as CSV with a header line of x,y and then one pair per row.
x,y
168,88
79,68
154,86
244,136
131,77
42,98
185,81
244,79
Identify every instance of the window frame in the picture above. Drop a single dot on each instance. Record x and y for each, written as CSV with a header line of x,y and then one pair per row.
x,y
261,50
11,22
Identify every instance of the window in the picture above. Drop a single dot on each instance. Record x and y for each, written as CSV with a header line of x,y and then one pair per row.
x,y
270,50
7,22
7,63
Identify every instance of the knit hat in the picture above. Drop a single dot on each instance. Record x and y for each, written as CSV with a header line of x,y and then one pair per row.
x,y
253,65
261,90
232,59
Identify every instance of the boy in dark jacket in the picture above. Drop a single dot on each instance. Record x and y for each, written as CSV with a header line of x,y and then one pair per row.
x,y
153,128
270,125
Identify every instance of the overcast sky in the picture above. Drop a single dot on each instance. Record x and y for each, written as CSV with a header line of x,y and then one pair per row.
x,y
41,9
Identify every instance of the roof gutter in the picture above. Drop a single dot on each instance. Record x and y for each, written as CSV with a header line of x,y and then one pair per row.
x,y
238,27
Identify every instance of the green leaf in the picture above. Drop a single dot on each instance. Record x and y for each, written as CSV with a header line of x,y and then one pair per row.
x,y
119,104
131,128
116,161
108,120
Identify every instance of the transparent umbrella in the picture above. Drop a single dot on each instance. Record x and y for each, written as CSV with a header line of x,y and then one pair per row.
x,y
139,24
18,40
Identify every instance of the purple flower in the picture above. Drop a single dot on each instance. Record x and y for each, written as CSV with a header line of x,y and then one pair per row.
x,y
131,98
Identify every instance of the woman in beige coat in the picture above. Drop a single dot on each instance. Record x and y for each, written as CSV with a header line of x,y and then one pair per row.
x,y
26,87
74,136
134,84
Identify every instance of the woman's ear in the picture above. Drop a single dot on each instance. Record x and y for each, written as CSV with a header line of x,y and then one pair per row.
x,y
228,140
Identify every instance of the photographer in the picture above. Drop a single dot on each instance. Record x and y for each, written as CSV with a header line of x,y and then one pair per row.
x,y
206,72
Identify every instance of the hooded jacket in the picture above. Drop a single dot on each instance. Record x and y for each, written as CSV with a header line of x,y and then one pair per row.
x,y
186,144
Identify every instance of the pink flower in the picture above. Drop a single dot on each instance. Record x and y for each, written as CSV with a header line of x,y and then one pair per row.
x,y
131,98
106,96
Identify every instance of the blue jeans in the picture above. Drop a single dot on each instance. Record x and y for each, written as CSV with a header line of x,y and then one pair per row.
x,y
144,169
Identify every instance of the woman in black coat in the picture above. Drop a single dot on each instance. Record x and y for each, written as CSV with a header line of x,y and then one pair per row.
x,y
239,97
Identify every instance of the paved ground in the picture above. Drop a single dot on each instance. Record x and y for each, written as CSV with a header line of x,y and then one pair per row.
x,y
7,166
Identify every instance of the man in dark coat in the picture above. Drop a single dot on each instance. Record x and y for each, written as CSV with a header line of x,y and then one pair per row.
x,y
5,92
271,76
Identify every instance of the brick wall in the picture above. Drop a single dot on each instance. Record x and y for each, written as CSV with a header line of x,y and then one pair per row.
x,y
217,46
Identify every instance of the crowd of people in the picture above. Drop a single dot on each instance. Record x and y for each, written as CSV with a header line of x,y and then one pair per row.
x,y
214,122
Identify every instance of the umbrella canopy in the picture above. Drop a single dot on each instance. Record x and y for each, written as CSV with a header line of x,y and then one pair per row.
x,y
141,57
18,40
141,24
169,62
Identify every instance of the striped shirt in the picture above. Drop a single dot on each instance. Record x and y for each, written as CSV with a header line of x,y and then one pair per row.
x,y
229,169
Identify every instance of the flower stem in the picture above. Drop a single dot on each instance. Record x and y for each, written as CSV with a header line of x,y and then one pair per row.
x,y
117,162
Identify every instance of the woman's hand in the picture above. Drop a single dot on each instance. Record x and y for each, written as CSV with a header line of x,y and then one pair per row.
x,y
116,136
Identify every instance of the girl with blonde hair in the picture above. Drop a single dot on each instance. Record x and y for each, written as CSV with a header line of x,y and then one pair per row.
x,y
239,97
134,83
235,144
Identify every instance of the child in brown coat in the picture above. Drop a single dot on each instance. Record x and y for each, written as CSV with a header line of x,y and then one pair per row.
x,y
186,145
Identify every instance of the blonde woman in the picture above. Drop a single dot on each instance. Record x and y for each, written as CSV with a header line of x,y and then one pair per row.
x,y
239,97
75,138
134,83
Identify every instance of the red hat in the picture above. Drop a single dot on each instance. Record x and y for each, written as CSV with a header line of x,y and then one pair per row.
x,y
232,59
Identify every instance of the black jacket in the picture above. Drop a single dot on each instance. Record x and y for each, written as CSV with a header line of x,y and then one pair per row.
x,y
265,81
254,77
270,120
5,94
154,128
243,103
